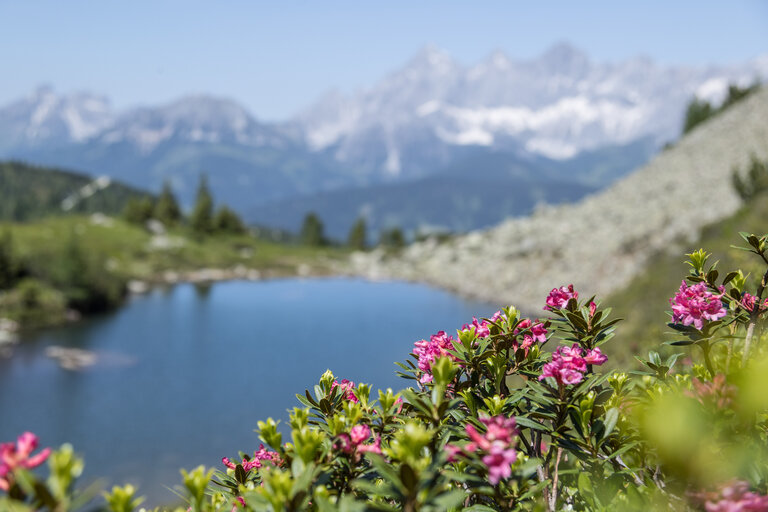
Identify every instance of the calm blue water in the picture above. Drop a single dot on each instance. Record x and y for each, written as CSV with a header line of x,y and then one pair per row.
x,y
183,375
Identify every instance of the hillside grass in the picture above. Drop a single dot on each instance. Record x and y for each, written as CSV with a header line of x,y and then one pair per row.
x,y
644,303
127,250
114,252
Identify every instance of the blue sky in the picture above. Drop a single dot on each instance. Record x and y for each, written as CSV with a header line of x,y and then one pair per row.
x,y
277,57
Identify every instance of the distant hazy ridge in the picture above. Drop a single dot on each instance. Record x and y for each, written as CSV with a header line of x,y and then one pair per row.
x,y
600,243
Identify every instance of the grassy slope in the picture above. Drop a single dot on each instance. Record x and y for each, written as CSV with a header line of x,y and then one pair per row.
x,y
643,304
126,249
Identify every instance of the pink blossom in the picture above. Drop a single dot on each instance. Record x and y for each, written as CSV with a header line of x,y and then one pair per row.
x,y
19,456
592,309
748,302
496,446
352,442
733,497
497,316
594,356
694,304
569,364
347,388
344,443
429,351
359,433
499,463
453,452
533,332
371,448
262,454
481,328
558,298
247,464
500,428
266,455
239,502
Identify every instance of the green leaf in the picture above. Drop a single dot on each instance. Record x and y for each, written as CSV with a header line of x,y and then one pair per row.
x,y
533,491
529,423
240,474
729,277
610,420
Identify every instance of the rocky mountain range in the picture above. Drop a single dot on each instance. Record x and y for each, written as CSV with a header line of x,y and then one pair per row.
x,y
604,240
417,123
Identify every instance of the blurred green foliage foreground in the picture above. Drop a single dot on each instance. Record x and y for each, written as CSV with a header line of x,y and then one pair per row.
x,y
492,421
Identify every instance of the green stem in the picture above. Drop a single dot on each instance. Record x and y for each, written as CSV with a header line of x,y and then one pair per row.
x,y
753,315
707,361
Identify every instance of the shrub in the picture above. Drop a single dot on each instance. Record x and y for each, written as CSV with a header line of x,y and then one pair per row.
x,y
494,420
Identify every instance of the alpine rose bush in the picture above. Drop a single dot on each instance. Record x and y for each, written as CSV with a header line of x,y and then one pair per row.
x,y
510,413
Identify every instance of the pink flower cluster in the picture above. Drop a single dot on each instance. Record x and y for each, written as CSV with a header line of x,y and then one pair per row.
x,y
734,497
533,331
748,302
19,455
352,443
259,456
347,387
482,327
496,446
558,298
694,304
569,364
718,392
429,351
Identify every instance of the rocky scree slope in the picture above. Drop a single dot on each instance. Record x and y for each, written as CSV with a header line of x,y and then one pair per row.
x,y
603,241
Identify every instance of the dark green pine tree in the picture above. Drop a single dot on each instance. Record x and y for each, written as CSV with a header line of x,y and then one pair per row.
x,y
392,238
698,111
167,209
227,221
201,219
312,231
358,235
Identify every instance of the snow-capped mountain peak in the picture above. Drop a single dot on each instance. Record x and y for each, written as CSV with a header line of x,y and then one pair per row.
x,y
46,117
557,105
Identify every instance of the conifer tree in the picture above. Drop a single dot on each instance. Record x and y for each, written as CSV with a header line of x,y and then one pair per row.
x,y
201,219
698,111
227,221
312,230
357,235
167,209
392,238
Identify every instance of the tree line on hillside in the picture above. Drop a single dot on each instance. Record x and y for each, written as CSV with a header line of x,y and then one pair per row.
x,y
699,110
202,220
312,234
29,192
